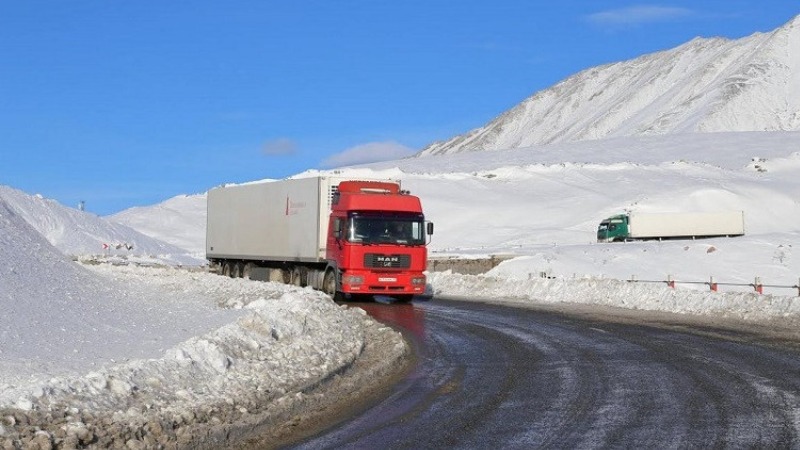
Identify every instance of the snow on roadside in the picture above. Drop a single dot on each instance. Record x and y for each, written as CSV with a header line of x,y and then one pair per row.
x,y
746,306
284,341
59,319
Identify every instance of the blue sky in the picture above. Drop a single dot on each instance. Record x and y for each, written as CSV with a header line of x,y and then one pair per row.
x,y
123,104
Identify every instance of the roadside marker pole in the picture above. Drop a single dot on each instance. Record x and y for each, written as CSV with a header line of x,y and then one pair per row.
x,y
712,284
759,287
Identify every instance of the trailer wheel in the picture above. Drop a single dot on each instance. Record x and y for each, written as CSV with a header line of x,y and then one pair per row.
x,y
226,269
247,271
297,278
236,270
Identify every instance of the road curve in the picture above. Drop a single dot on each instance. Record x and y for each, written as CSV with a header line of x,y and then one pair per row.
x,y
491,376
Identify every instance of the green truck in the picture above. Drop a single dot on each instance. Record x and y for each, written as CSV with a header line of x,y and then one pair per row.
x,y
640,226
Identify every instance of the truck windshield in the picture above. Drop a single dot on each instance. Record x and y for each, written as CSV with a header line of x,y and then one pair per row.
x,y
387,230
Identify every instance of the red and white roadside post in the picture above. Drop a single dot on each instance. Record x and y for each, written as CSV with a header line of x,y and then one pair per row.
x,y
758,286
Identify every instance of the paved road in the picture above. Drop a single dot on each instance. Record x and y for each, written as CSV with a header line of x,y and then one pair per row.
x,y
498,377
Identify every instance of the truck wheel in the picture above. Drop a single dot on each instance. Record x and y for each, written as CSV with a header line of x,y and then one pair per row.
x,y
329,283
236,270
329,286
226,269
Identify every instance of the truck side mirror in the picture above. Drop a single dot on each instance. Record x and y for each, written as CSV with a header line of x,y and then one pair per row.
x,y
337,228
430,228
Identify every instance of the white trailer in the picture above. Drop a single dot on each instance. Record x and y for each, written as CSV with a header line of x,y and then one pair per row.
x,y
270,221
699,224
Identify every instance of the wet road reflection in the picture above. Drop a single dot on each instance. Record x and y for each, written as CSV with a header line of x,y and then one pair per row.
x,y
408,318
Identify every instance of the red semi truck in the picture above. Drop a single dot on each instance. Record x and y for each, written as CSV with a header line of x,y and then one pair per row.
x,y
349,238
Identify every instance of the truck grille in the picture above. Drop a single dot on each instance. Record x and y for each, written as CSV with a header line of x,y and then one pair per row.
x,y
387,261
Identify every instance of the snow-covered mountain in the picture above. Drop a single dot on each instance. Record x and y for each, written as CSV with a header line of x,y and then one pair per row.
x,y
78,233
705,85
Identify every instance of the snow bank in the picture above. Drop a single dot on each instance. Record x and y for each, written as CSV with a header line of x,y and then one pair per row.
x,y
117,356
285,341
747,306
57,318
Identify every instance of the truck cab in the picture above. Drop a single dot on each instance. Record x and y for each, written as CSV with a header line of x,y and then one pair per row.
x,y
615,228
376,241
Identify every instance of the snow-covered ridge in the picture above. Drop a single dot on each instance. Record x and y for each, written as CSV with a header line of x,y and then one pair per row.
x,y
78,233
705,85
179,221
58,318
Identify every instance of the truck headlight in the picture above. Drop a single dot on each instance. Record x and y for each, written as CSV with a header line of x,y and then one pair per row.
x,y
352,279
418,280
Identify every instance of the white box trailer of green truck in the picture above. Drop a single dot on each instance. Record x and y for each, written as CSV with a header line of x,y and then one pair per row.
x,y
690,225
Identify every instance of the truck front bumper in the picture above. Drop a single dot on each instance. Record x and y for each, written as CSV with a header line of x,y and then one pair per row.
x,y
387,283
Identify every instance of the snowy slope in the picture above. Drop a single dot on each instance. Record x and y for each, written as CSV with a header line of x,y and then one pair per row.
x,y
78,233
179,221
705,85
59,318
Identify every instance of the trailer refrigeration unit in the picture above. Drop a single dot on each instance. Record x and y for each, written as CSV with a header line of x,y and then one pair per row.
x,y
346,237
639,226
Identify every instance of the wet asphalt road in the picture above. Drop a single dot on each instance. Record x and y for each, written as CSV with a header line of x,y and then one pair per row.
x,y
498,377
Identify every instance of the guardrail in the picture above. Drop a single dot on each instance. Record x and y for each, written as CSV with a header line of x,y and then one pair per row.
x,y
714,285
